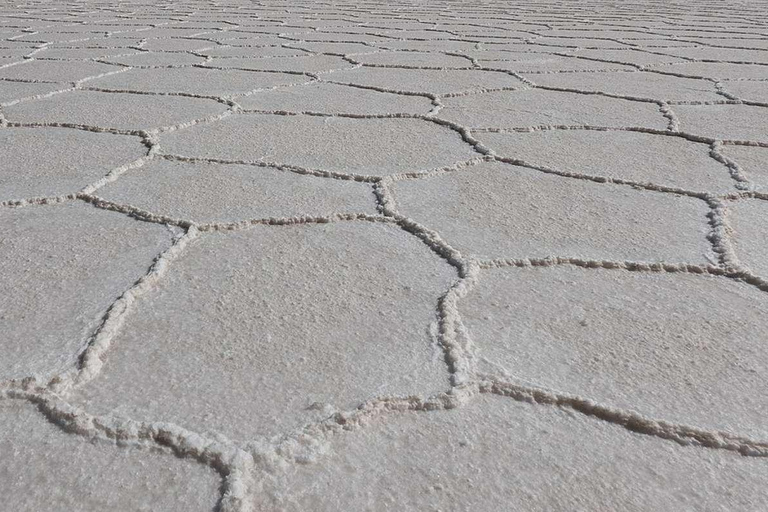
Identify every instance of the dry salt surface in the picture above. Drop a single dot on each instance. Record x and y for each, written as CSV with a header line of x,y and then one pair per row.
x,y
265,256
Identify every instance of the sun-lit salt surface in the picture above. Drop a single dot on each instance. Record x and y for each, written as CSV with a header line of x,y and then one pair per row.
x,y
408,256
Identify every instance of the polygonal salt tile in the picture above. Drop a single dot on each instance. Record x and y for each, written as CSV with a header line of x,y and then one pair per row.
x,y
494,54
417,34
101,43
226,193
724,122
55,71
629,56
718,70
304,64
45,468
753,161
158,59
66,38
428,46
335,99
495,210
82,53
582,42
601,34
194,80
157,32
496,451
333,48
721,54
680,347
749,223
177,45
114,110
247,42
259,331
550,63
8,55
414,59
636,84
12,91
63,265
427,80
255,53
748,91
536,107
735,42
36,162
635,156
336,37
359,146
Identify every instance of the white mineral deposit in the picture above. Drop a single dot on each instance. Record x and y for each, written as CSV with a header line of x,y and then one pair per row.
x,y
411,256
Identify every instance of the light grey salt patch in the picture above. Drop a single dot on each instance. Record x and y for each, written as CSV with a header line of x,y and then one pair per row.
x,y
639,157
495,210
722,54
269,320
415,34
13,54
36,38
335,99
536,107
752,160
362,146
427,80
428,46
82,53
639,58
227,193
54,71
760,44
114,110
246,42
158,32
634,84
718,70
45,468
542,63
37,162
417,59
571,42
656,44
674,346
748,91
175,45
725,122
211,82
749,220
263,52
63,266
496,451
319,37
500,35
157,59
337,48
504,53
11,91
304,64
602,34
94,43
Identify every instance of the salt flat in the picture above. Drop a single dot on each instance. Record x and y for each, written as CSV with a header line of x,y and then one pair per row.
x,y
413,256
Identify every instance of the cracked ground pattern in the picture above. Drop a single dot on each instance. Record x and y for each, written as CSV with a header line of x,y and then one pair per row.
x,y
384,255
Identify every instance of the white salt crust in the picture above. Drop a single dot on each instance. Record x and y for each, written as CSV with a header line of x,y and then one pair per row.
x,y
365,257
